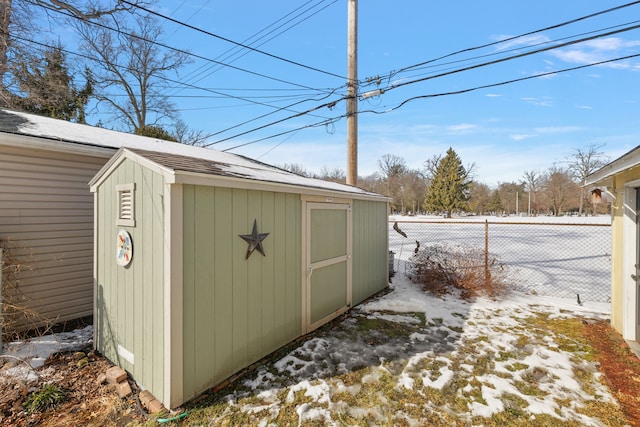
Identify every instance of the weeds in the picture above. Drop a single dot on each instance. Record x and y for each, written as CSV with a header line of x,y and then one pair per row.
x,y
442,268
49,396
17,317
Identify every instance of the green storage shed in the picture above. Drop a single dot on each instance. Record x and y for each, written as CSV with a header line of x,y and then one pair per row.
x,y
205,264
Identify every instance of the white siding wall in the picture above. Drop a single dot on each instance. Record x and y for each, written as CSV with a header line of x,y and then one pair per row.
x,y
46,212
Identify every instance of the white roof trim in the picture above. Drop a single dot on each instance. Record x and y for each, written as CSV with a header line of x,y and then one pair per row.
x,y
604,176
122,155
38,143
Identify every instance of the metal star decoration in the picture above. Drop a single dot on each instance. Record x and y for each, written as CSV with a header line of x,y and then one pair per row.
x,y
255,240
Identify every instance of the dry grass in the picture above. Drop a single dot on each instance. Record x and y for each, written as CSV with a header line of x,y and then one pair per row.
x,y
369,394
18,319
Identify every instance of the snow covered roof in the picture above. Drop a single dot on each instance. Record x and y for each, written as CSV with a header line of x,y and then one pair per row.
x,y
604,176
78,136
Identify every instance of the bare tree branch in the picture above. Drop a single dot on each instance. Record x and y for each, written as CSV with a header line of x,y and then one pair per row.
x,y
91,10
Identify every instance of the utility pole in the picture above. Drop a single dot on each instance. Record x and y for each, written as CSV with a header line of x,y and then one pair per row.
x,y
352,94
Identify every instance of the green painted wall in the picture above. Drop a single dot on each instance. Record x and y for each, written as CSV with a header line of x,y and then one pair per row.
x,y
130,300
236,311
370,249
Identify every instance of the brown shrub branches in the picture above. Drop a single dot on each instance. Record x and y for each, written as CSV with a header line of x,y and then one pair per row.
x,y
442,268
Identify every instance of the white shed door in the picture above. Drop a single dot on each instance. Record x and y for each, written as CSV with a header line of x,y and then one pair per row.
x,y
328,262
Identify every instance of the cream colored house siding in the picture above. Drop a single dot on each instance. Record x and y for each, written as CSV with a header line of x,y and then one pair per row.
x,y
46,210
618,268
129,325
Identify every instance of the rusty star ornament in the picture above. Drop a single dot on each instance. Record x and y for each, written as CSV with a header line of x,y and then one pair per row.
x,y
254,240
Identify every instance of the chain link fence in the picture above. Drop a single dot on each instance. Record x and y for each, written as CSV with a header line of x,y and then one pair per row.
x,y
562,260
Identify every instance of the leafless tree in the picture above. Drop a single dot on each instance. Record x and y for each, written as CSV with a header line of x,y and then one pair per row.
x,y
558,189
20,25
184,135
431,165
413,190
333,175
296,168
582,163
532,183
90,9
130,61
393,167
479,198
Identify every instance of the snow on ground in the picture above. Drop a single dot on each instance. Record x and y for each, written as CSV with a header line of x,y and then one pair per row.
x,y
35,351
485,350
540,219
557,256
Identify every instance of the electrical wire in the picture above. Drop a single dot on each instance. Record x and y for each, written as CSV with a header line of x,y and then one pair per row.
x,y
46,46
487,86
509,58
562,24
303,113
174,49
398,85
329,121
547,42
209,33
408,100
197,75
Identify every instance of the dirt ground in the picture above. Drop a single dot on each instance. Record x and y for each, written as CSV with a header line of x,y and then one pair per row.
x,y
90,401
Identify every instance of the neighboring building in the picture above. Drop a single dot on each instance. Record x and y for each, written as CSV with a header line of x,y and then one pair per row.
x,y
206,264
620,180
46,211
46,208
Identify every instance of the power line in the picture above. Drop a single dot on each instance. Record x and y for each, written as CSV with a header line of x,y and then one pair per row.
x,y
535,76
562,24
548,42
118,31
233,42
164,78
509,58
230,56
446,74
458,92
303,113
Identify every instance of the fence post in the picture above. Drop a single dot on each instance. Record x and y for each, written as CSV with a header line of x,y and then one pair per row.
x,y
486,254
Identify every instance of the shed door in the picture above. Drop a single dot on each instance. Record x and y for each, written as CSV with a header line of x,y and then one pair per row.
x,y
328,261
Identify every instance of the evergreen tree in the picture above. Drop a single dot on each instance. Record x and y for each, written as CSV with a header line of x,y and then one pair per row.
x,y
155,132
449,188
47,88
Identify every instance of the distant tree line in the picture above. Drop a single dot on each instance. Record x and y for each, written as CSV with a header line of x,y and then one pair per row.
x,y
445,187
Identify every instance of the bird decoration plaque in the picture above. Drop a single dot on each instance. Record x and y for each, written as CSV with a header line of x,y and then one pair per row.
x,y
124,248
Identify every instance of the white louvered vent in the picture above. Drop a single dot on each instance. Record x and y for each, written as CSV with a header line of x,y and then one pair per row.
x,y
126,210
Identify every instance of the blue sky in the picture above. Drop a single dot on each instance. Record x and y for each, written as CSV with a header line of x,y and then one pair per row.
x,y
504,129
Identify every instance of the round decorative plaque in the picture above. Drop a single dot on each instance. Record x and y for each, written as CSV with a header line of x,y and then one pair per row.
x,y
124,248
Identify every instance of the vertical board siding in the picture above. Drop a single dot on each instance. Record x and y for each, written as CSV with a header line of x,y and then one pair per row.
x,y
370,249
617,254
129,300
237,310
46,213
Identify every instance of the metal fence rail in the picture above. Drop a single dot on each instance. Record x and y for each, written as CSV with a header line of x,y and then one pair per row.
x,y
553,259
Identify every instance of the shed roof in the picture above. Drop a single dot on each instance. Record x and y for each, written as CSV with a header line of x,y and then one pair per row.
x,y
67,136
604,176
